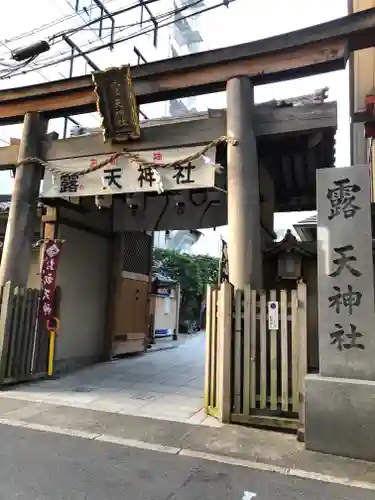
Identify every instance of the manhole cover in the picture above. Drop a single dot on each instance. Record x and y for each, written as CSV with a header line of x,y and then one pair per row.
x,y
82,389
143,397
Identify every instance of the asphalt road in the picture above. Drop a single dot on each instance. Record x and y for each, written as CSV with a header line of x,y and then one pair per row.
x,y
39,466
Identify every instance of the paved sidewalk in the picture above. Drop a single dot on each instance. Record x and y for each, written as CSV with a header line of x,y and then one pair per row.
x,y
264,450
167,384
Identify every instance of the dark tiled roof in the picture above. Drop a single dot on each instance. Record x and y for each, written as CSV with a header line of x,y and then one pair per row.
x,y
309,221
5,202
158,276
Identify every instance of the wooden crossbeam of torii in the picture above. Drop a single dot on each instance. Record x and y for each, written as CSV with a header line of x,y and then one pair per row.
x,y
198,129
317,49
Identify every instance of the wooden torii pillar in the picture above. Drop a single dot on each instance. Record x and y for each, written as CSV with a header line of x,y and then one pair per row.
x,y
244,233
19,236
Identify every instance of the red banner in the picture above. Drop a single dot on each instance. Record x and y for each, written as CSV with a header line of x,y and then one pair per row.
x,y
51,258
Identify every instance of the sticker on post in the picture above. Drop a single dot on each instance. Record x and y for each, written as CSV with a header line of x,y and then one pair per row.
x,y
273,315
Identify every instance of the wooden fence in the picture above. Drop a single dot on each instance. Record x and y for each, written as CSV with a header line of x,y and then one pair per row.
x,y
255,375
23,338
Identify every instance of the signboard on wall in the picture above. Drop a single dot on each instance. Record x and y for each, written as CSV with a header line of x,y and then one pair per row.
x,y
126,176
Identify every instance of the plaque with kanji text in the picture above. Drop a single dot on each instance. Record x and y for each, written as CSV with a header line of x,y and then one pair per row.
x,y
345,273
116,104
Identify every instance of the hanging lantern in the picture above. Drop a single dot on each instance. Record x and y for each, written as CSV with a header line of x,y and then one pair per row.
x,y
289,265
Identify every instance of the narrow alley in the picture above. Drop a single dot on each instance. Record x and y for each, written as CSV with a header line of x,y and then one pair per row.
x,y
165,384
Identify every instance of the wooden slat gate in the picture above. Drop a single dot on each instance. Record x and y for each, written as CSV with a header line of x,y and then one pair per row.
x,y
255,375
23,338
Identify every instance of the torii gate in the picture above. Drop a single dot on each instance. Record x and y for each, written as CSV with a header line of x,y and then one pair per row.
x,y
318,49
313,50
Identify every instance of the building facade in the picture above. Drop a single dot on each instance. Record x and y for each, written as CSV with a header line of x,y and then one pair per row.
x,y
186,38
178,240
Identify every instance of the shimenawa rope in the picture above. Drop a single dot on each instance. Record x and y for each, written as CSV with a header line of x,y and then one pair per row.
x,y
134,157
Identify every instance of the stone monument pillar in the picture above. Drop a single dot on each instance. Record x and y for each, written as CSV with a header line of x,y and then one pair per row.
x,y
340,401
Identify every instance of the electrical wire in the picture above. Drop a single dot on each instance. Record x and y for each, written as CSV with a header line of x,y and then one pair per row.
x,y
45,26
72,31
44,61
130,37
102,18
159,17
12,72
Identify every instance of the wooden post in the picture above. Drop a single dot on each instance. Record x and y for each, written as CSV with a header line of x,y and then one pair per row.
x,y
50,223
49,228
178,299
5,326
244,236
224,352
20,231
302,358
115,261
208,359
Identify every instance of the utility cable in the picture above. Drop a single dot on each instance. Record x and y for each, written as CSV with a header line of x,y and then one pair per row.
x,y
53,39
130,37
45,26
102,18
160,17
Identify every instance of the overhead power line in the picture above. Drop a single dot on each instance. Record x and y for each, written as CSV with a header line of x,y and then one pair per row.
x,y
154,20
46,26
129,37
22,54
163,16
71,31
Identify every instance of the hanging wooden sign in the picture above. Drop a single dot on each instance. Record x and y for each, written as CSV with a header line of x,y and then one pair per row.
x,y
116,104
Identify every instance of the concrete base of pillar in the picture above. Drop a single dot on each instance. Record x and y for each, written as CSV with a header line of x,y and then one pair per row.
x,y
340,416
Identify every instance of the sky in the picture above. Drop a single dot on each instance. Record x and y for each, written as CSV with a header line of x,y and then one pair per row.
x,y
243,21
248,20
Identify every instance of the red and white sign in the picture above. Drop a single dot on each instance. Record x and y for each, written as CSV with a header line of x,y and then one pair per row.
x,y
51,258
123,175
